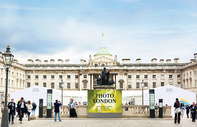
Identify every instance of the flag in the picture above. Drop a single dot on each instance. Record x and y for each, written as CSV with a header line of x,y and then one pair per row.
x,y
102,34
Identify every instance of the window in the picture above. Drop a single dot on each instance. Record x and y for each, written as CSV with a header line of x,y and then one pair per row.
x,y
162,83
36,84
36,76
137,76
137,85
146,84
178,76
44,84
85,85
195,72
60,86
129,86
179,84
76,76
28,84
52,76
145,76
154,76
44,77
52,85
162,76
170,76
68,76
85,76
102,65
129,76
154,84
28,76
12,73
170,83
121,85
68,85
60,76
76,85
96,65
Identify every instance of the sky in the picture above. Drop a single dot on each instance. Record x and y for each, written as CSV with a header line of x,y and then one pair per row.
x,y
72,29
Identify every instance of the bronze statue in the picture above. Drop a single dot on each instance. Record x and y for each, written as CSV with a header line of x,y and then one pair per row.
x,y
104,80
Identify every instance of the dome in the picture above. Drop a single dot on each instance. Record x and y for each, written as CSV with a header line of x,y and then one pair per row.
x,y
103,51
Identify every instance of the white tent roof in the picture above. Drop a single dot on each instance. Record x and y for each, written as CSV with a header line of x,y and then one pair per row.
x,y
35,93
169,93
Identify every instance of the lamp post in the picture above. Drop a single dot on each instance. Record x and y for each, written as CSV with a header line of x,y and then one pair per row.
x,y
62,89
142,85
7,59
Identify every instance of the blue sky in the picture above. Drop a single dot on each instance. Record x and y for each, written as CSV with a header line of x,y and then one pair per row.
x,y
64,29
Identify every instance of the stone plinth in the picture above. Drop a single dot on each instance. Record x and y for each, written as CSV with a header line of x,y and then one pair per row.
x,y
32,117
104,87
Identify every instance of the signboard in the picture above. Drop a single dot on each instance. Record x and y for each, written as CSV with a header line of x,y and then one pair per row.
x,y
152,102
49,103
104,101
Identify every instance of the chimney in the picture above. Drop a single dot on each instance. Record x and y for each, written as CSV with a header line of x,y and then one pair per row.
x,y
161,60
154,60
60,61
30,61
192,60
176,60
138,60
52,61
45,61
82,61
168,61
15,61
67,61
125,60
37,61
195,56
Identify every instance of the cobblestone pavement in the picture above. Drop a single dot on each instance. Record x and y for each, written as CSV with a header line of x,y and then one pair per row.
x,y
110,122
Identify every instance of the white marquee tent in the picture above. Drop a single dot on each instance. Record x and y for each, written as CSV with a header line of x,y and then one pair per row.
x,y
35,93
169,93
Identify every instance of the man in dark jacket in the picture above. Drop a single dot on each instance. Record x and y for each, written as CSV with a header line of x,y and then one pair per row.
x,y
22,108
11,107
193,108
57,110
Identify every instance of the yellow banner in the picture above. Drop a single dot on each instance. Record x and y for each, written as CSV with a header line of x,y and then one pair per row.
x,y
104,101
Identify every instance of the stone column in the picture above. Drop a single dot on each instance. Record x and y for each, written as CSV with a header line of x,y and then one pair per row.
x,y
80,81
125,82
89,82
92,81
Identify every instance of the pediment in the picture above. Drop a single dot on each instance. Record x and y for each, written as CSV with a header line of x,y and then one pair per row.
x,y
103,59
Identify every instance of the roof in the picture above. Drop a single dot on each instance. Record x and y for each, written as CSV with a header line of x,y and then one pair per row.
x,y
103,51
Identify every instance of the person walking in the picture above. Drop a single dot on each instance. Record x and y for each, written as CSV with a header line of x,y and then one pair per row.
x,y
72,108
57,110
187,110
22,108
177,106
193,108
12,109
29,108
182,109
34,108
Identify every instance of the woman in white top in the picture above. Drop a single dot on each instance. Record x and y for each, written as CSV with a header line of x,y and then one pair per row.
x,y
29,108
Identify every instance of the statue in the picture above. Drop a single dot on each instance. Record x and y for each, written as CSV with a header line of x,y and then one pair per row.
x,y
90,58
104,79
115,58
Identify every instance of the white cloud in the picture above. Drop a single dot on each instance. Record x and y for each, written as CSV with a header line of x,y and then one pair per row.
x,y
194,15
17,7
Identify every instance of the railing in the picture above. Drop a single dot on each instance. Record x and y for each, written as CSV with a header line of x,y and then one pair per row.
x,y
129,111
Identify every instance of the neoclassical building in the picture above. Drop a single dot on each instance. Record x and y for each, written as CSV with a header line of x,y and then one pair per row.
x,y
77,77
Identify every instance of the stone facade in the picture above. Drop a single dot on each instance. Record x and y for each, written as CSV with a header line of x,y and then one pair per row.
x,y
77,77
